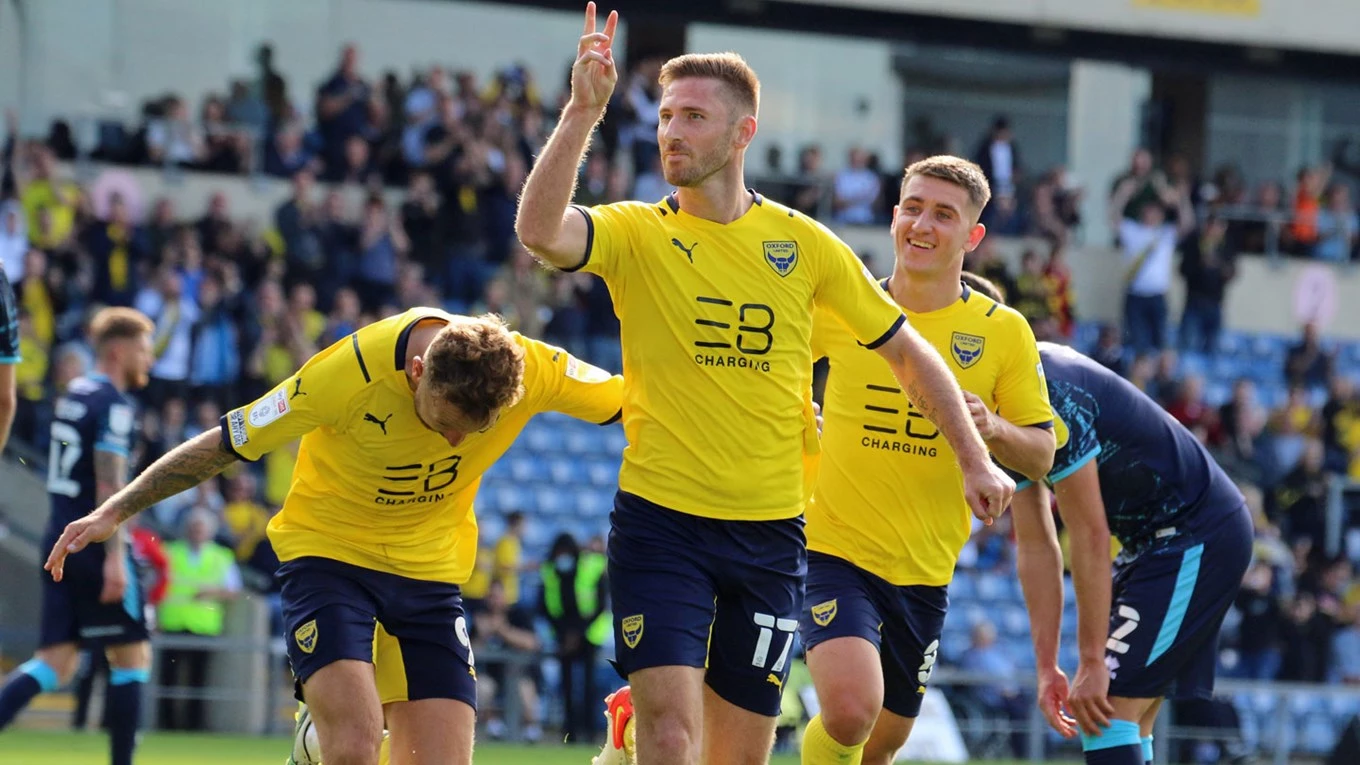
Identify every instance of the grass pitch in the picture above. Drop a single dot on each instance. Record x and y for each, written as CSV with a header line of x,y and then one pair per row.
x,y
64,748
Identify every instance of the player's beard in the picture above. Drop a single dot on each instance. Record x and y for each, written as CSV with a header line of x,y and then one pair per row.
x,y
701,168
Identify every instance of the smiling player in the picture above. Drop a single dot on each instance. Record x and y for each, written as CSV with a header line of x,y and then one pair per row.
x,y
398,421
889,516
714,287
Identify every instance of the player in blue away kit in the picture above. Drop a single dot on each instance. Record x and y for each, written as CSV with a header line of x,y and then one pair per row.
x,y
1126,468
99,602
9,355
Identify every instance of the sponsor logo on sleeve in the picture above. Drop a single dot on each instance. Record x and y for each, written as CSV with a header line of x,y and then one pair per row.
x,y
236,428
269,408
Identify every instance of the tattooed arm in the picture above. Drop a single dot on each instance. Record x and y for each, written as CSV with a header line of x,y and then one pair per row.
x,y
184,467
936,395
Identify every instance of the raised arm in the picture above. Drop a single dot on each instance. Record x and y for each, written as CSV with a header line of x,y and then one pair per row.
x,y
554,233
184,467
936,394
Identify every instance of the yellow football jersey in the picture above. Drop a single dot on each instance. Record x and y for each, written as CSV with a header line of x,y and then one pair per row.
x,y
889,492
716,325
373,486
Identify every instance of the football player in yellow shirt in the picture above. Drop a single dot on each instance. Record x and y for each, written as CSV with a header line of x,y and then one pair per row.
x,y
714,288
398,423
888,515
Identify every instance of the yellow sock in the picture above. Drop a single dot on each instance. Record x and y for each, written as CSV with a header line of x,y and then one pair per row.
x,y
819,748
385,754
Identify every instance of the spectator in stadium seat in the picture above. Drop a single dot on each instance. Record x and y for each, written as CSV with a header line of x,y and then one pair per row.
x,y
203,576
1301,497
1188,407
174,312
1262,619
45,191
342,107
287,153
1302,232
986,657
1252,235
1149,246
1340,437
502,626
116,255
382,242
172,138
1139,186
986,263
1208,265
215,364
574,596
856,190
1308,363
155,233
1109,351
1337,226
1056,206
13,240
810,186
999,158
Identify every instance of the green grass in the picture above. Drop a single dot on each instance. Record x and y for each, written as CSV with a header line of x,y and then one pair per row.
x,y
63,748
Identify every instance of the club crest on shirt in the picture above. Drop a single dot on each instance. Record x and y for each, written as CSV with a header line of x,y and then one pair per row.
x,y
632,630
966,349
305,637
823,613
781,256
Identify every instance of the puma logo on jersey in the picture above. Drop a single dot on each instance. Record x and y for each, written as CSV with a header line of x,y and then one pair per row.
x,y
774,680
297,389
380,423
689,251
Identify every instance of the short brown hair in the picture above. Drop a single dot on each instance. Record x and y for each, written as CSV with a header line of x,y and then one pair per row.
x,y
728,68
986,286
119,323
955,170
475,364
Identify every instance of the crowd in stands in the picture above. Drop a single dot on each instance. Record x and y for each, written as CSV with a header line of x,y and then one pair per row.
x,y
239,304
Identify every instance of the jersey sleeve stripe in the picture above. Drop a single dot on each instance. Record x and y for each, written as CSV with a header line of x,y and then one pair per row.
x,y
992,310
886,336
1075,466
10,360
225,431
617,416
1045,424
362,366
590,239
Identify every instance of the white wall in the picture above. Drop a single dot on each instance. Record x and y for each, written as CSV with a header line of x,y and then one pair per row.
x,y
1326,25
88,51
1102,132
809,87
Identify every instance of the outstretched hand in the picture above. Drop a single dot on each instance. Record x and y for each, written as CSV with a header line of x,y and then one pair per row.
x,y
79,534
593,75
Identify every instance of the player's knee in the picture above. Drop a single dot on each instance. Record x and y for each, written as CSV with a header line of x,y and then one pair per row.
x,y
881,750
357,745
668,736
63,663
848,714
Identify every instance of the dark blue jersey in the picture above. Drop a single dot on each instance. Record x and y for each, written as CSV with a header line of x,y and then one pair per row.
x,y
92,416
1156,479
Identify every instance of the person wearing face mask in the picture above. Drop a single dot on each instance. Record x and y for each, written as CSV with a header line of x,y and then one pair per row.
x,y
574,600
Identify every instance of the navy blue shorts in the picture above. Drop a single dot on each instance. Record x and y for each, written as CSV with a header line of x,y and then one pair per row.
x,y
9,322
903,623
72,613
1168,605
331,609
698,592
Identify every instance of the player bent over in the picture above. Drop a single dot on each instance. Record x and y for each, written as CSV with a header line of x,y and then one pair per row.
x,y
99,602
398,423
888,515
1126,468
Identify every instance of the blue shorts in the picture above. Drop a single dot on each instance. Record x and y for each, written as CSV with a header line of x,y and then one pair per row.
x,y
1167,607
699,592
331,609
72,613
903,623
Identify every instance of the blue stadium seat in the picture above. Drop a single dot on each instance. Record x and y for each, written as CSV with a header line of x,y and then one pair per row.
x,y
540,437
615,441
525,469
1015,621
962,589
562,471
490,527
509,497
549,501
991,587
578,441
1194,364
601,473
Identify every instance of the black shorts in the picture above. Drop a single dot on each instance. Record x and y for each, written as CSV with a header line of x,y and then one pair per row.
x,y
903,623
72,613
1167,608
331,610
699,592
